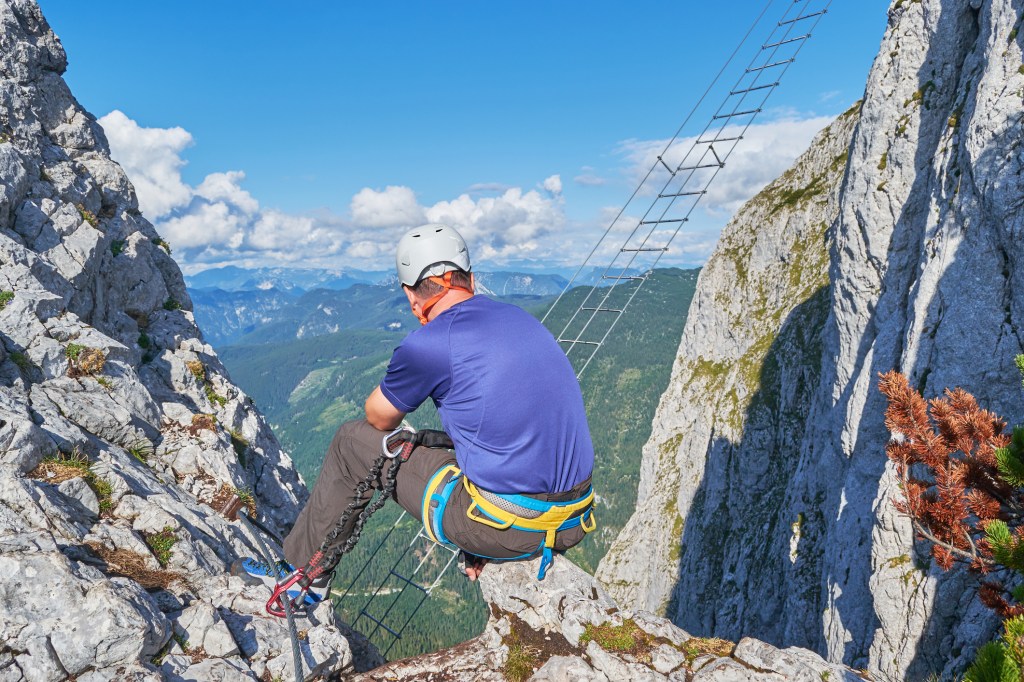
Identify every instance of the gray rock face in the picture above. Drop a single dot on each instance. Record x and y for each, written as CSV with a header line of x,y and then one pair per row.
x,y
771,514
567,629
118,424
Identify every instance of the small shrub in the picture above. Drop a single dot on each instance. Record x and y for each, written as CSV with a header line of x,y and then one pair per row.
x,y
196,369
73,351
626,638
884,163
105,382
698,646
83,360
160,544
22,361
64,466
142,450
144,342
5,298
247,498
171,304
213,397
87,216
163,245
117,247
520,664
201,422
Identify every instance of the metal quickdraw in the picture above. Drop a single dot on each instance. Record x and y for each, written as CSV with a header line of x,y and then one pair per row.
x,y
397,447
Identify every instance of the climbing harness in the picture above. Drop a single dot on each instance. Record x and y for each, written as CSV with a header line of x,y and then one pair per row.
x,y
504,511
397,447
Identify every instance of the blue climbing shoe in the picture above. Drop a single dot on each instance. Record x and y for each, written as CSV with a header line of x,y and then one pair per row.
x,y
255,572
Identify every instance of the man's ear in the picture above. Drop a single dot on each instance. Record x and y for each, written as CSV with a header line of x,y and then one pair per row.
x,y
414,303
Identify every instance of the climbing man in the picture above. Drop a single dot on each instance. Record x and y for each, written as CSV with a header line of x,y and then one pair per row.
x,y
518,482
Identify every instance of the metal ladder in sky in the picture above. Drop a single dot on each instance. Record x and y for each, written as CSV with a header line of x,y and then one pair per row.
x,y
676,182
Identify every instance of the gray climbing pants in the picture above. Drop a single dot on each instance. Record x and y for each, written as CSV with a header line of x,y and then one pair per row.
x,y
348,461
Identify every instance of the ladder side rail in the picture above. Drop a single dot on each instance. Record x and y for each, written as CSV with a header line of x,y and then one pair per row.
x,y
671,141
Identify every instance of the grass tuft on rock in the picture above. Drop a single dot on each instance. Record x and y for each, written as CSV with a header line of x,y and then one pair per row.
x,y
64,466
161,543
627,638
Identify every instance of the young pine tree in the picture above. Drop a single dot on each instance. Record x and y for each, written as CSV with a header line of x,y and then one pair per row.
x,y
963,487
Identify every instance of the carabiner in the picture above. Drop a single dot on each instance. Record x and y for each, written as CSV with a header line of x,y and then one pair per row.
x,y
393,443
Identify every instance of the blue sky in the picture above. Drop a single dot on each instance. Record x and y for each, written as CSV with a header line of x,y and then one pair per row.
x,y
243,127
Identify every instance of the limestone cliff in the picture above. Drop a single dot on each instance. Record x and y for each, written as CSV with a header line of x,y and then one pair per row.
x,y
120,433
119,427
771,514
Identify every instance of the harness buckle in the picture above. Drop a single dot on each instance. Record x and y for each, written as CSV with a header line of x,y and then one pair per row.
x,y
394,443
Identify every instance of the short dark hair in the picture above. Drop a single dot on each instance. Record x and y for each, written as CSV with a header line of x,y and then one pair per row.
x,y
426,288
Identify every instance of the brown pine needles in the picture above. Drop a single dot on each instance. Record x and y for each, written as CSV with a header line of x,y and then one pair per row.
x,y
945,454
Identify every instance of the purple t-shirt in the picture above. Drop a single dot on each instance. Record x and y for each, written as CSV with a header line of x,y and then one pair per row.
x,y
506,393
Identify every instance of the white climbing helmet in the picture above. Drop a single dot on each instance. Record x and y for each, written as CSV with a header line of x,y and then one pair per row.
x,y
430,251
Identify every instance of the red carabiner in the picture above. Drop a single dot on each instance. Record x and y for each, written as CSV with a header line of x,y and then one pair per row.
x,y
275,606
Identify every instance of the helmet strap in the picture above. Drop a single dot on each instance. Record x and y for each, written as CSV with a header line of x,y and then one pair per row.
x,y
446,283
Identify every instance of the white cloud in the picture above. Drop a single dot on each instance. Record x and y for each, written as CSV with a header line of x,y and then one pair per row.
x,y
218,221
588,178
764,153
394,207
152,159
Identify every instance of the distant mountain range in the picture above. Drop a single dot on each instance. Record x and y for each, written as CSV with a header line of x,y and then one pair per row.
x,y
266,305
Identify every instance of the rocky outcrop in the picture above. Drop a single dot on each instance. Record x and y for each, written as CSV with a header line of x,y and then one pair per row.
x,y
567,629
119,428
771,514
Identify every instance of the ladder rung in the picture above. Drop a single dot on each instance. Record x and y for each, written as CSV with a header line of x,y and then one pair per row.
x,y
615,277
683,194
603,310
381,624
587,343
644,249
663,220
738,113
721,139
407,581
756,87
768,66
666,166
786,42
705,165
806,16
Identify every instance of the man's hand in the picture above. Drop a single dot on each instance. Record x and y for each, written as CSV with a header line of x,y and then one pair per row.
x,y
381,413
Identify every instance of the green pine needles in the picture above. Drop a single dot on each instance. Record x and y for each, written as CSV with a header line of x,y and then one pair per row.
x,y
1002,660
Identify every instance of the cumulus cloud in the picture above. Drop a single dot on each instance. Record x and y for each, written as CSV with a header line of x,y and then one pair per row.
x,y
219,221
766,151
152,159
392,207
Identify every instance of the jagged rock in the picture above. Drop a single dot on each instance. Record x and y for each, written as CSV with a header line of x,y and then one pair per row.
x,y
542,625
567,669
202,627
896,245
98,409
78,489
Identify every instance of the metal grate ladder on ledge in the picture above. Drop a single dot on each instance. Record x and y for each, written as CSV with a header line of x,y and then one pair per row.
x,y
675,184
422,574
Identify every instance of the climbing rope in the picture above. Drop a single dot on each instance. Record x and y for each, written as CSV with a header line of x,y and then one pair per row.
x,y
265,555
